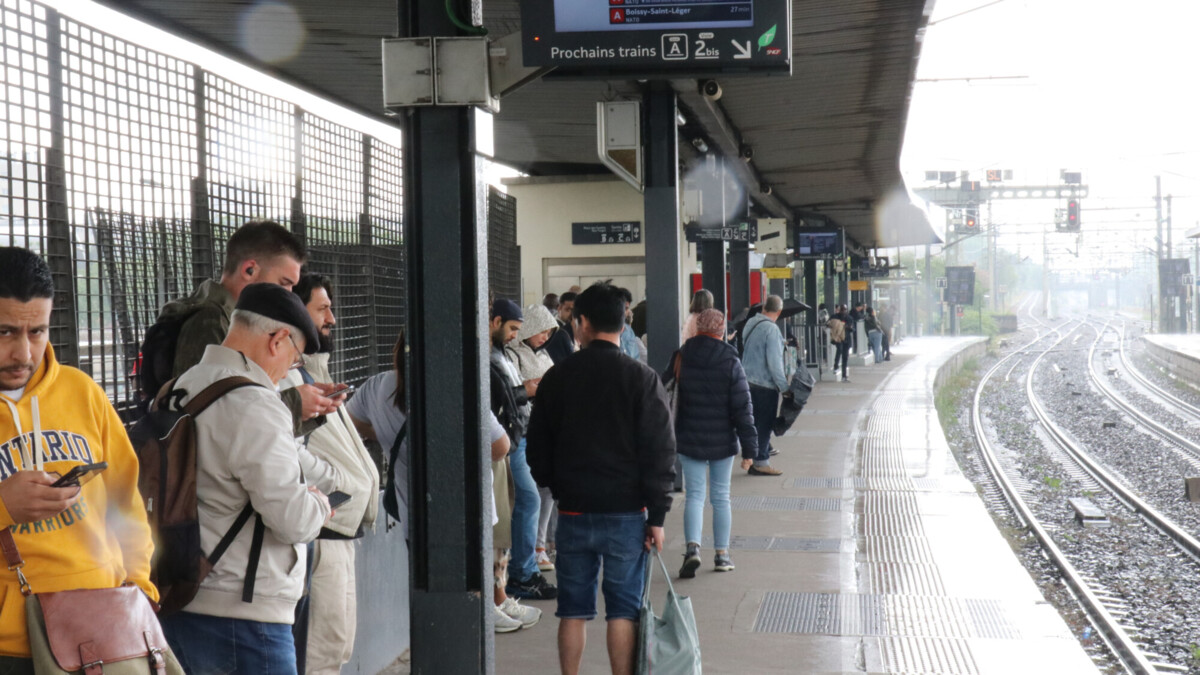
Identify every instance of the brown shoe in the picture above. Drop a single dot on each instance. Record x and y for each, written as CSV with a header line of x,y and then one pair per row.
x,y
764,471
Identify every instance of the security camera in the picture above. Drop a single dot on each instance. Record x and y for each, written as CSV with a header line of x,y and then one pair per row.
x,y
764,189
710,89
746,153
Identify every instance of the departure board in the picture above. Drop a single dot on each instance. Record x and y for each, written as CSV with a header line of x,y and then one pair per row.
x,y
645,39
572,16
960,286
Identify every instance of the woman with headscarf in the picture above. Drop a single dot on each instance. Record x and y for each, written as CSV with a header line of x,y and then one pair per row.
x,y
702,300
713,418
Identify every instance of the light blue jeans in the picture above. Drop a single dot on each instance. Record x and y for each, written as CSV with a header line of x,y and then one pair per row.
x,y
527,505
712,476
876,338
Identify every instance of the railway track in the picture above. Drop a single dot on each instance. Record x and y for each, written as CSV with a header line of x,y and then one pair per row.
x,y
1104,608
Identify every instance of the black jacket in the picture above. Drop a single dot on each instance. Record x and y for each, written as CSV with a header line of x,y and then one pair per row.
x,y
508,401
600,436
561,344
714,402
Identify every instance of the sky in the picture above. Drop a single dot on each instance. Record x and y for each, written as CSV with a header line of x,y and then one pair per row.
x,y
1103,89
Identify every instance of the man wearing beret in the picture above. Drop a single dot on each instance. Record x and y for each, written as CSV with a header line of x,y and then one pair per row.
x,y
240,620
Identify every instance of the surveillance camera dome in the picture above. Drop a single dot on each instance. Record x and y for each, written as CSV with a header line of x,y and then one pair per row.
x,y
747,153
710,89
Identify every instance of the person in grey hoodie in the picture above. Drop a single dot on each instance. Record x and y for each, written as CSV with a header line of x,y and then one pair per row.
x,y
530,354
763,362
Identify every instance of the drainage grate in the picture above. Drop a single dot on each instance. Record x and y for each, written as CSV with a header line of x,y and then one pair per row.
x,y
887,524
779,544
894,484
785,504
865,614
820,483
925,655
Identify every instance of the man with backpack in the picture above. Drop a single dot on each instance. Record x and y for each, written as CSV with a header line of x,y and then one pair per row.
x,y
255,510
762,359
258,252
54,418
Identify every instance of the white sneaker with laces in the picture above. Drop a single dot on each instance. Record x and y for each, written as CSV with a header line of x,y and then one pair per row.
x,y
504,622
527,616
543,562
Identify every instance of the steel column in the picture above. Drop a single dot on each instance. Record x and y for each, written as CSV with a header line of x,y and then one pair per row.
x,y
60,247
662,223
739,277
447,369
810,318
712,267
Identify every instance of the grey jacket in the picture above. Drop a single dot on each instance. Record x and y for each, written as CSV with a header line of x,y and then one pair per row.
x,y
762,357
246,453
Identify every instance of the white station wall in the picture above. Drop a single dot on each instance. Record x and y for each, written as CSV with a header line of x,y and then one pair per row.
x,y
545,212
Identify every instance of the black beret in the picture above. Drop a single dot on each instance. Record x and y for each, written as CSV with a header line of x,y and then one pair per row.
x,y
276,302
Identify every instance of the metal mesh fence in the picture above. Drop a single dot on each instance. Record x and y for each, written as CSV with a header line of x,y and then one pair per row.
x,y
128,169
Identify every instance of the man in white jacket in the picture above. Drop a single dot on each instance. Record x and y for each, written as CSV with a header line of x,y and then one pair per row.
x,y
241,618
334,459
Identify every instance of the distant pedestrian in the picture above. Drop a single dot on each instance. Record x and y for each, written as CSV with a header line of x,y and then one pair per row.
x,y
763,363
702,300
887,321
874,334
840,336
714,415
562,343
550,302
631,346
602,414
823,326
857,314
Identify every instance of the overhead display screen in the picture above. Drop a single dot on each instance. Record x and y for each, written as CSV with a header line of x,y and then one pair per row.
x,y
645,38
572,16
818,243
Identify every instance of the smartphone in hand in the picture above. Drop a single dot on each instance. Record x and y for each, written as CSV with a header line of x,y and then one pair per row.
x,y
80,475
337,498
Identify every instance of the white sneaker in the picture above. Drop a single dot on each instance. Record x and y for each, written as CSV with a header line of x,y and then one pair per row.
x,y
527,616
504,622
543,562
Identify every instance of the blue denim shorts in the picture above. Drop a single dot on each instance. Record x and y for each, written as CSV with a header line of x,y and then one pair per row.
x,y
585,542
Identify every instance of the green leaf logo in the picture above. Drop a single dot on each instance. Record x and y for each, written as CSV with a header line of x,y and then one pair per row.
x,y
767,38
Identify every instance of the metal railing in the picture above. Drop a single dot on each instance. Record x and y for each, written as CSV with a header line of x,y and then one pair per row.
x,y
128,169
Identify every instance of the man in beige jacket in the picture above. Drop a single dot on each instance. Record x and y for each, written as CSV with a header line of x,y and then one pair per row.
x,y
334,459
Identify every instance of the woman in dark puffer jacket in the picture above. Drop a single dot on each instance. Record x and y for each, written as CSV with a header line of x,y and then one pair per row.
x,y
714,413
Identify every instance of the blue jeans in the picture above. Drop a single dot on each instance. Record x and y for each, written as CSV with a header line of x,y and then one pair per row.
x,y
212,645
876,338
713,475
765,402
526,509
585,541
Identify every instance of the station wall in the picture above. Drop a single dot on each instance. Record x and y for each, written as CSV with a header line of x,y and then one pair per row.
x,y
551,263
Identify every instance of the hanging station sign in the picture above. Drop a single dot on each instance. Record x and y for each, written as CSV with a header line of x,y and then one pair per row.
x,y
648,38
627,232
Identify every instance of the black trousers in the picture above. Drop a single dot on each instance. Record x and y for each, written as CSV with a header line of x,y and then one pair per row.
x,y
13,665
842,356
887,344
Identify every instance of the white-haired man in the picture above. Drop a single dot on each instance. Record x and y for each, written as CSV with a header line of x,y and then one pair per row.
x,y
241,618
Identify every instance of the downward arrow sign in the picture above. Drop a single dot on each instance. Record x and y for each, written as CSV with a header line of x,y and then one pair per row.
x,y
743,51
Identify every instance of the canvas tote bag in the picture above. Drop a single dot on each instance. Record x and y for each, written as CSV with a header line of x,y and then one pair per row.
x,y
667,645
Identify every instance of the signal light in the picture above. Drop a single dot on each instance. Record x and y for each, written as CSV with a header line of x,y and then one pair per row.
x,y
972,222
1073,214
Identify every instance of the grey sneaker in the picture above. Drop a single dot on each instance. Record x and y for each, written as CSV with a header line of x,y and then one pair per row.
x,y
722,562
528,616
691,562
504,622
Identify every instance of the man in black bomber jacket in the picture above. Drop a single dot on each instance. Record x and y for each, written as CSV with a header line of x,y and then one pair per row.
x,y
602,440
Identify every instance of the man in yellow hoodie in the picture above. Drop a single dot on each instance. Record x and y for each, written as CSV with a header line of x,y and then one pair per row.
x,y
52,419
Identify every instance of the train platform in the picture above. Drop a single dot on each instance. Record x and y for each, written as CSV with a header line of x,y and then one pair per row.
x,y
1180,353
870,554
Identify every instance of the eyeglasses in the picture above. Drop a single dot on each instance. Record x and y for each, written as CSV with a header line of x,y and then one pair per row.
x,y
299,361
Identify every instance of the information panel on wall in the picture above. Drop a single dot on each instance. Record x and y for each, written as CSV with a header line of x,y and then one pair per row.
x,y
626,232
657,37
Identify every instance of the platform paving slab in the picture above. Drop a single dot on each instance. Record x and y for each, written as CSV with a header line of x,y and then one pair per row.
x,y
871,554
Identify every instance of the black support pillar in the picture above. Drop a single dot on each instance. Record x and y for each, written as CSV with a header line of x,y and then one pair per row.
x,y
739,277
447,264
712,265
813,334
662,224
